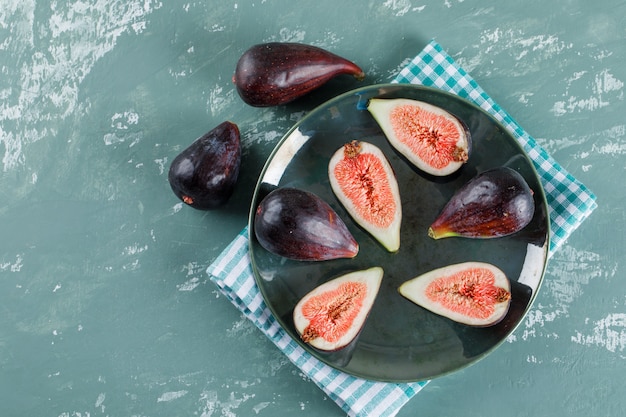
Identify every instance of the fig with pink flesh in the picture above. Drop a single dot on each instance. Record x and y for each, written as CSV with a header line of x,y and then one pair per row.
x,y
364,182
276,73
299,225
431,138
472,293
332,315
495,203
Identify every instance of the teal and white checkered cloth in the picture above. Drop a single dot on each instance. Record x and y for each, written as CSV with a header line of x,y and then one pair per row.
x,y
570,203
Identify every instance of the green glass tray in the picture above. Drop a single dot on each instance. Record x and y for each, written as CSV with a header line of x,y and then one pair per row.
x,y
401,341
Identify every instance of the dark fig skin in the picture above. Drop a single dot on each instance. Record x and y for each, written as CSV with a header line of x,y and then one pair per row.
x,y
204,175
276,73
495,203
299,225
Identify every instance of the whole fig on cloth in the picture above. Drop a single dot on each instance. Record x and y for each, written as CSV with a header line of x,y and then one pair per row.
x,y
275,73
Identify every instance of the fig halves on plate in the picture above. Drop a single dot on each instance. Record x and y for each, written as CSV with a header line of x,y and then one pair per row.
x,y
496,203
432,139
472,293
364,182
332,315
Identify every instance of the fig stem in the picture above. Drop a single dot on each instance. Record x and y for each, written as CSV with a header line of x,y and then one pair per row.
x,y
309,334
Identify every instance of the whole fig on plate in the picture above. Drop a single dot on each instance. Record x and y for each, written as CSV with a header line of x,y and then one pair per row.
x,y
333,314
364,182
472,293
496,203
276,73
432,139
299,225
204,175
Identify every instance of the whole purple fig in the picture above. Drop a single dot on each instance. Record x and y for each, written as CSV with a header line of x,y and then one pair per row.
x,y
299,225
276,73
496,203
204,175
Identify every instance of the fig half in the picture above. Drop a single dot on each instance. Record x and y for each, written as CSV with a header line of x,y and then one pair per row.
x,y
496,203
472,293
432,139
299,225
333,314
204,174
276,73
364,182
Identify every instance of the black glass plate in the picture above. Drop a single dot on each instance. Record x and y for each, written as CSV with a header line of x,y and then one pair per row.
x,y
401,341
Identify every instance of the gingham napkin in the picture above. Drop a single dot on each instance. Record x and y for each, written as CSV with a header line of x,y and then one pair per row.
x,y
570,202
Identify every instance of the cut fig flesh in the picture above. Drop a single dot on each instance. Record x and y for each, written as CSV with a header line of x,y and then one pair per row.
x,y
364,182
495,203
299,225
432,139
472,293
333,314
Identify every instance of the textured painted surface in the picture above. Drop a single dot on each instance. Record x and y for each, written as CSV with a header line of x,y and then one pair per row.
x,y
106,307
